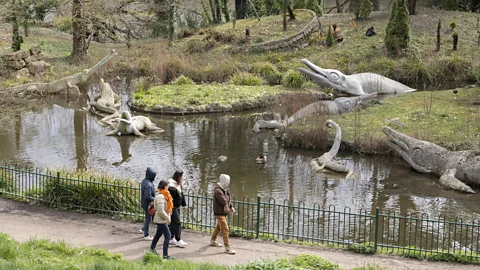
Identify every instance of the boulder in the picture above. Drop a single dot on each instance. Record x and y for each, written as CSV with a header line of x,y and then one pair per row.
x,y
32,58
22,73
35,50
16,56
38,67
16,64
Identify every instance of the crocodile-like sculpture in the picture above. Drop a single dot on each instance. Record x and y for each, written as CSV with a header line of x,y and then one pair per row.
x,y
134,125
61,84
456,169
355,84
326,161
334,107
107,102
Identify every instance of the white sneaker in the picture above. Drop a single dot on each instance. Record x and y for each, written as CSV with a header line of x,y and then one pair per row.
x,y
181,244
148,238
215,244
229,250
173,242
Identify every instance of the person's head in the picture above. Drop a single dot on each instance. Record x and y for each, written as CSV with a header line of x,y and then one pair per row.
x,y
178,176
151,173
224,180
163,184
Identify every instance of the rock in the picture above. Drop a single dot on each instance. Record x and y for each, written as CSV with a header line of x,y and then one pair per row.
x,y
31,59
22,73
16,64
16,56
222,158
38,67
35,50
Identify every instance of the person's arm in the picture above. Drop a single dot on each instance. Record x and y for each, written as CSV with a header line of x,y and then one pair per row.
x,y
160,208
184,203
230,203
150,191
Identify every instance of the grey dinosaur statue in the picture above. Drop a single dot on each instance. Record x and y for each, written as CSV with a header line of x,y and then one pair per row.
x,y
456,169
327,161
107,102
63,83
134,125
355,84
334,107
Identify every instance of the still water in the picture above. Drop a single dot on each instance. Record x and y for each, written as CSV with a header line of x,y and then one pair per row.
x,y
58,134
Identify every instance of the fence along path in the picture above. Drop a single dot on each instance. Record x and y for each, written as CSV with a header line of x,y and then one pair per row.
x,y
415,235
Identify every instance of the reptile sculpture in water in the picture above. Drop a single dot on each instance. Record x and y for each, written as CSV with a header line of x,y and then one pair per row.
x,y
355,84
133,125
456,169
327,161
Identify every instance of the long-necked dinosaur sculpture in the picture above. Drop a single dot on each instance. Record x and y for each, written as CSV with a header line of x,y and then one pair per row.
x,y
456,169
327,161
333,107
355,84
63,83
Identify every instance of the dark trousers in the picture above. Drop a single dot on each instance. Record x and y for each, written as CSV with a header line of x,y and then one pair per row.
x,y
176,225
146,223
161,229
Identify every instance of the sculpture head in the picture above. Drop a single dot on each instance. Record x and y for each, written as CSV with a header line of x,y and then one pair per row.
x,y
126,115
332,78
345,104
423,156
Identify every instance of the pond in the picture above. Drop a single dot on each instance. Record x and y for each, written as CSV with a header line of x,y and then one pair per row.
x,y
58,134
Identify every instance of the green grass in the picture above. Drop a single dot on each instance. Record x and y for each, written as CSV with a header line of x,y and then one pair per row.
x,y
181,96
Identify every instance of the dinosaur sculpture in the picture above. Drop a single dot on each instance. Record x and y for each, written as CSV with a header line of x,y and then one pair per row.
x,y
334,107
355,84
61,84
456,169
326,161
107,102
133,125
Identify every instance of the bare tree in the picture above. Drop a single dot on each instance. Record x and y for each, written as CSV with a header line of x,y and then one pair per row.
x,y
79,50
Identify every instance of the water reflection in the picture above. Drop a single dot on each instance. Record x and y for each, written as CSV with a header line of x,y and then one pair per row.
x,y
61,135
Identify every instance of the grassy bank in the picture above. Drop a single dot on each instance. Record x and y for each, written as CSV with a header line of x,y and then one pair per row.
x,y
441,117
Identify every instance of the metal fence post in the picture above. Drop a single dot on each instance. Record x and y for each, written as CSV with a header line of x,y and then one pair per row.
x,y
257,229
58,190
376,230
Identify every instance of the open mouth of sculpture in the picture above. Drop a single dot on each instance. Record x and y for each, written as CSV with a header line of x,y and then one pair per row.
x,y
397,141
318,70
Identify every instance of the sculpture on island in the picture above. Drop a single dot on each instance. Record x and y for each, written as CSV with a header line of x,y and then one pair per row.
x,y
355,84
65,83
133,125
334,107
327,161
456,169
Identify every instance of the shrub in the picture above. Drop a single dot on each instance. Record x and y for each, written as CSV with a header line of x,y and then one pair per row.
x,y
398,30
363,248
199,46
246,79
361,8
329,39
315,6
63,24
182,80
293,78
416,73
449,4
268,72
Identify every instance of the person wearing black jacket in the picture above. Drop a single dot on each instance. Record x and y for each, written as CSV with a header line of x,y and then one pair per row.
x,y
175,188
147,196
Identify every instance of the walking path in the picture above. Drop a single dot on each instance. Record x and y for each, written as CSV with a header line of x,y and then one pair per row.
x,y
22,221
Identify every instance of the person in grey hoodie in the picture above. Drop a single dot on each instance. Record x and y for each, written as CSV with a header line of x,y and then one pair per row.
x,y
148,195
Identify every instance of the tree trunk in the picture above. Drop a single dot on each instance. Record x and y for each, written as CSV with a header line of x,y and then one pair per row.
x,y
284,15
218,11
16,43
438,35
212,9
171,22
376,5
25,27
339,6
240,9
226,10
290,13
411,6
79,50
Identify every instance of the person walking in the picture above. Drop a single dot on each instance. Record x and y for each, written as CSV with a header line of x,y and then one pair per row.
x,y
221,208
163,205
147,197
175,189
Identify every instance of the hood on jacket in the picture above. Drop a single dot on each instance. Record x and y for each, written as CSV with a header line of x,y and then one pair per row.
x,y
150,174
224,181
